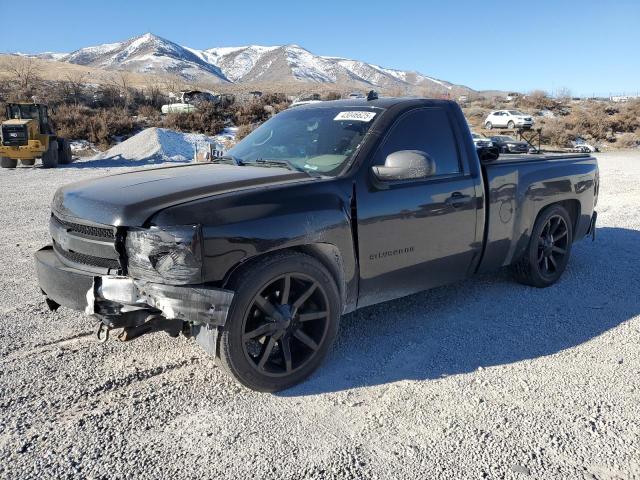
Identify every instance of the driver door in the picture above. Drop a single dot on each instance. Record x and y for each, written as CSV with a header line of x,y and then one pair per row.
x,y
420,233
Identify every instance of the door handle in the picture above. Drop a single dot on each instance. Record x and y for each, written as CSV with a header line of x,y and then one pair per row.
x,y
457,199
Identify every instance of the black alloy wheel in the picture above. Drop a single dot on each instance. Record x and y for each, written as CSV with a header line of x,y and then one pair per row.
x,y
282,321
549,249
552,245
285,325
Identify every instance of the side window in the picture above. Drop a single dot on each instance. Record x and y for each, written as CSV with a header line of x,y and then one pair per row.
x,y
428,130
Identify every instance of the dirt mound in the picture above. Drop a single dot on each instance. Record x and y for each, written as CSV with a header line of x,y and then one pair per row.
x,y
157,145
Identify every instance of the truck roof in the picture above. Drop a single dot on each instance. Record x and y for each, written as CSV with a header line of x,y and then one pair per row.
x,y
383,102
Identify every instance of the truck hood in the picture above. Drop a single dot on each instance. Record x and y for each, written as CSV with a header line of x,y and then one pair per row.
x,y
129,199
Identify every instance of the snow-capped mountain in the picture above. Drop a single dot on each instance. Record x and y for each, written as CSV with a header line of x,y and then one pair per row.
x,y
149,53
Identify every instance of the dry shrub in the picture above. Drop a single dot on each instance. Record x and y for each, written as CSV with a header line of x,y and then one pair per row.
x,y
627,118
537,99
149,112
628,140
243,131
556,131
97,126
208,119
260,109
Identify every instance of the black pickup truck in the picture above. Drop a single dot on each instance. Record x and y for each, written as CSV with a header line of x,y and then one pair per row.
x,y
323,209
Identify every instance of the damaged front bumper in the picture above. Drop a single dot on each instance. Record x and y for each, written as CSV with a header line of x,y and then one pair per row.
x,y
127,302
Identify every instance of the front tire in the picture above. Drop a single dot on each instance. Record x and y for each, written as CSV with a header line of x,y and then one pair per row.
x,y
511,125
488,125
50,157
6,162
282,322
549,249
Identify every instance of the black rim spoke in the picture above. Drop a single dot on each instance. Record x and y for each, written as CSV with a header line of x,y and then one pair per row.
x,y
553,262
304,338
305,296
266,306
559,250
560,235
261,331
266,353
286,290
286,353
306,317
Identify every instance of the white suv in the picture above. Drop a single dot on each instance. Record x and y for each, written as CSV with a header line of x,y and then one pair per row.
x,y
508,119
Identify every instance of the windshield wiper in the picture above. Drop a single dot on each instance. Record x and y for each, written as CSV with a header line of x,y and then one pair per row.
x,y
284,163
236,160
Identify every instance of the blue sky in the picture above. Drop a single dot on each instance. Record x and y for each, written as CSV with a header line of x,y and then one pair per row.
x,y
586,46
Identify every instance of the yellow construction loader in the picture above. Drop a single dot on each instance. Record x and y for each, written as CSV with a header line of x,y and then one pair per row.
x,y
27,134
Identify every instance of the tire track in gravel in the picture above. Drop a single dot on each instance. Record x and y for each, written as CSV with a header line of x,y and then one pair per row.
x,y
138,376
47,347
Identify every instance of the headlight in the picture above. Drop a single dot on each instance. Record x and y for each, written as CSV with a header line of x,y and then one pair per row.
x,y
171,255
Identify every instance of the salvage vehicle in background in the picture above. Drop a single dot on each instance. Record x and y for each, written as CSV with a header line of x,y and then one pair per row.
x,y
507,144
27,134
510,119
583,147
323,209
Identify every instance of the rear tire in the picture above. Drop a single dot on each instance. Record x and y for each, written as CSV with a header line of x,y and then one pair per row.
x,y
50,157
549,249
6,162
511,125
268,352
28,163
488,125
64,151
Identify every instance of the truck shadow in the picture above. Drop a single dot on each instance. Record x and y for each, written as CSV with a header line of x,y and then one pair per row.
x,y
486,321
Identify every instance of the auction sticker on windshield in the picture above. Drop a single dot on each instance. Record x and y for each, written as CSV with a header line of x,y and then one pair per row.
x,y
357,116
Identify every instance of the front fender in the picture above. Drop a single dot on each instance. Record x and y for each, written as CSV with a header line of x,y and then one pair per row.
x,y
244,225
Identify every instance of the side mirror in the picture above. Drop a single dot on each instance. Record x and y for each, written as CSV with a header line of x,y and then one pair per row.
x,y
405,165
488,154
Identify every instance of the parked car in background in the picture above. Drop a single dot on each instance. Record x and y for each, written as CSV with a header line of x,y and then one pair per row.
x,y
481,141
508,119
507,144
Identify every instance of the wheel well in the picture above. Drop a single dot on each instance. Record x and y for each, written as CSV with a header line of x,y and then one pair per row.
x,y
573,209
327,254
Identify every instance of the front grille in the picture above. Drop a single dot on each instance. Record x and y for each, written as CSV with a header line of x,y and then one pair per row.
x,y
86,259
88,230
15,135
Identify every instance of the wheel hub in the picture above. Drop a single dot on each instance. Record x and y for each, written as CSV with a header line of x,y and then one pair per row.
x,y
286,322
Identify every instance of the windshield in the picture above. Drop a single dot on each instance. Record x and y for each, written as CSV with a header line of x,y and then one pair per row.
x,y
318,140
515,112
22,111
505,138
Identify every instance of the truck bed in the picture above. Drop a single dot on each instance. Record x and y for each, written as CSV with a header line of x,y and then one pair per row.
x,y
520,186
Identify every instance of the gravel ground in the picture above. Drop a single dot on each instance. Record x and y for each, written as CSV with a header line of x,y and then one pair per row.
x,y
484,379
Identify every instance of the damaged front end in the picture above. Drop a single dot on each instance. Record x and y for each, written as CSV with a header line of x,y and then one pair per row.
x,y
140,307
140,280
